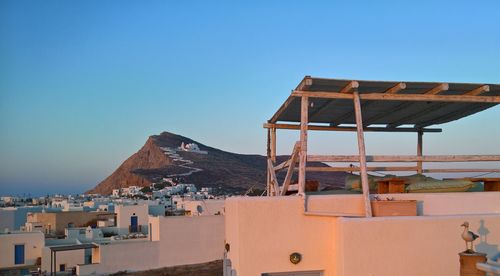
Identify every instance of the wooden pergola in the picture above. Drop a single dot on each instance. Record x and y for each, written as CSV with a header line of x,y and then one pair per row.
x,y
383,106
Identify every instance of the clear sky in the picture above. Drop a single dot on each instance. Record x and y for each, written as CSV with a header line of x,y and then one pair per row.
x,y
84,83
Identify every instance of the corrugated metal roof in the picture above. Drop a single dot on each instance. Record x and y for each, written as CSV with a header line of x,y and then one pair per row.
x,y
381,112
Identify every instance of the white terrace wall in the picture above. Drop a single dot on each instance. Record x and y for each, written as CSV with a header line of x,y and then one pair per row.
x,y
121,256
125,212
454,203
173,241
435,203
70,258
188,240
204,207
33,244
262,233
411,246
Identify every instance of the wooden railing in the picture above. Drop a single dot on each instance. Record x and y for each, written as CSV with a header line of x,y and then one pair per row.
x,y
403,159
290,164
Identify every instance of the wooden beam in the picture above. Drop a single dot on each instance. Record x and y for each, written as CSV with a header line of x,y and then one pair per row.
x,y
357,169
401,97
303,85
431,98
322,94
480,90
268,175
438,89
350,87
346,89
341,128
268,186
274,180
396,88
289,173
306,82
419,151
362,155
273,145
393,90
460,170
304,120
283,165
404,158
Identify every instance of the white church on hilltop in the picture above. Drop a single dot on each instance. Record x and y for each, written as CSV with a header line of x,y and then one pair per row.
x,y
192,147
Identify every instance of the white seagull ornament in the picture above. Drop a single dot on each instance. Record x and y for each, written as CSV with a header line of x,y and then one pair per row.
x,y
468,237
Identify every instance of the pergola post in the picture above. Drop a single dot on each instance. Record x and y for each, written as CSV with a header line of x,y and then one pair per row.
x,y
304,120
362,154
420,151
268,186
51,262
273,145
273,157
55,263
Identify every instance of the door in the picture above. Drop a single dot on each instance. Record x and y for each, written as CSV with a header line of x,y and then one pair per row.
x,y
19,254
133,224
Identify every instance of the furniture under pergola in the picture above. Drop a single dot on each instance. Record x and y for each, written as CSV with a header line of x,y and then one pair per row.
x,y
321,104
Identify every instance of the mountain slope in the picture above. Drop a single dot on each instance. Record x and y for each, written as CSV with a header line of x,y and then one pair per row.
x,y
224,171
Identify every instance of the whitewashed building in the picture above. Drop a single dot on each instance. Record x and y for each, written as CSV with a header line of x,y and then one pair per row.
x,y
132,218
172,241
20,250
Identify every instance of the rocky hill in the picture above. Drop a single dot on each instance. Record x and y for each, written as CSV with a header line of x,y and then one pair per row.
x,y
226,172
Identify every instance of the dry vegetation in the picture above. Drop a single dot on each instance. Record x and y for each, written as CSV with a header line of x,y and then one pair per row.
x,y
206,269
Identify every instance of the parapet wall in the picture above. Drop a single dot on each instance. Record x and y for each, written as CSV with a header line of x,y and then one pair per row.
x,y
263,231
428,204
411,246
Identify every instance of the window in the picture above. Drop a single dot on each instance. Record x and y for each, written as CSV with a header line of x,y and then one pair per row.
x,y
19,254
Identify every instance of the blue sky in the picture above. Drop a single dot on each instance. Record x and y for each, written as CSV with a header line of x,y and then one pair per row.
x,y
83,83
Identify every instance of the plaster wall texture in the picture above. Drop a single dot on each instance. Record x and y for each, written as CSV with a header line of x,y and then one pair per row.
x,y
263,232
454,203
190,240
58,221
410,246
120,256
69,258
435,203
33,244
124,212
204,207
172,241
